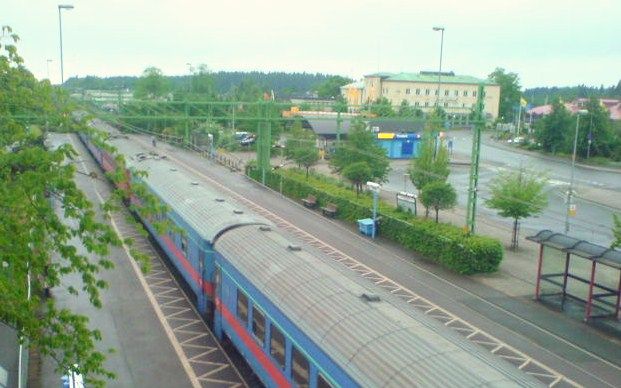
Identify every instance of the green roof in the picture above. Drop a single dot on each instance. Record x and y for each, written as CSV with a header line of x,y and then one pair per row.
x,y
431,77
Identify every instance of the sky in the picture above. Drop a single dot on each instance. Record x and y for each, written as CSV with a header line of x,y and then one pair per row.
x,y
546,42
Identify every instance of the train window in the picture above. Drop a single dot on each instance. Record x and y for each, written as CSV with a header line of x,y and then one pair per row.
x,y
258,325
299,369
242,306
184,245
277,347
322,382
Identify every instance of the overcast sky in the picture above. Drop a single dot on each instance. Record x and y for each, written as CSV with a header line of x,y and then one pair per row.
x,y
547,42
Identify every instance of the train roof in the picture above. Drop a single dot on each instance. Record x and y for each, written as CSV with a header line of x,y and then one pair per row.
x,y
206,210
378,343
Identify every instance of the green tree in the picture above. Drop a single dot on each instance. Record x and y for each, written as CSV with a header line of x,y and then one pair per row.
x,y
361,147
432,163
37,195
382,108
597,123
553,130
439,196
202,83
331,88
358,174
510,93
517,194
616,230
152,84
301,147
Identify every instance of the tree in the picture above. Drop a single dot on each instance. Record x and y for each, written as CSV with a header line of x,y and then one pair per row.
x,y
510,93
152,84
595,124
382,108
35,184
358,173
553,130
616,230
432,163
517,194
439,196
301,147
331,88
202,83
361,147
406,110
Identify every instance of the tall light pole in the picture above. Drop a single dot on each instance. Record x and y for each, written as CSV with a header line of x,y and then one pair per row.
x,y
60,27
441,29
48,69
573,167
375,188
189,65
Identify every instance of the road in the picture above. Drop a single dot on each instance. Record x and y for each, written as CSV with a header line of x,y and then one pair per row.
x,y
593,221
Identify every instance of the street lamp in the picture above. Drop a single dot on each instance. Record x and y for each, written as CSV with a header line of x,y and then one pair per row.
x,y
573,167
48,68
375,188
189,65
60,25
441,29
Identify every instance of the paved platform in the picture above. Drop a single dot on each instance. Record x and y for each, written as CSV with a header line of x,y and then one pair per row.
x,y
158,337
570,347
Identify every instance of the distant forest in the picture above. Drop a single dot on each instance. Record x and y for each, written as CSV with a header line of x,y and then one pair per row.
x,y
283,84
541,96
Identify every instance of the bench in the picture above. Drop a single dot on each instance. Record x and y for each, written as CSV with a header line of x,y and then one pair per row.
x,y
329,210
310,201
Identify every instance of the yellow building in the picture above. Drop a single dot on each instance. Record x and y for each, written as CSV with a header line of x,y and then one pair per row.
x,y
458,93
353,94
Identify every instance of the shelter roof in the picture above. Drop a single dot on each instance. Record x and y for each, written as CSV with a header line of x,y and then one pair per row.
x,y
604,255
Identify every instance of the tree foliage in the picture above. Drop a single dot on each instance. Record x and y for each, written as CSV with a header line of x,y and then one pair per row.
x,y
438,195
301,147
43,216
358,174
510,93
382,107
616,230
151,85
432,163
331,87
517,194
553,130
361,147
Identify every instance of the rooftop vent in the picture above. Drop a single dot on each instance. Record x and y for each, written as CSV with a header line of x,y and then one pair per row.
x,y
194,183
173,169
237,211
370,297
294,248
219,199
264,228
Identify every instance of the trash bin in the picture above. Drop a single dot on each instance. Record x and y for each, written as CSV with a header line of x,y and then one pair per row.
x,y
366,226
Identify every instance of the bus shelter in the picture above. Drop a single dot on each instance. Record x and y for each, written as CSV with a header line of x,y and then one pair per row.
x,y
575,270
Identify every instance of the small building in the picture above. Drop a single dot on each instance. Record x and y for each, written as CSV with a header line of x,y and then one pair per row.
x,y
399,145
353,95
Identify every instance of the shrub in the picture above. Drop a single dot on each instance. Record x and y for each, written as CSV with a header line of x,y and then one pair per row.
x,y
445,244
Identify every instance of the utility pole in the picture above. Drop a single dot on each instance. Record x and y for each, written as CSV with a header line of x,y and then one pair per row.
x,y
573,168
60,28
264,140
339,122
441,29
474,163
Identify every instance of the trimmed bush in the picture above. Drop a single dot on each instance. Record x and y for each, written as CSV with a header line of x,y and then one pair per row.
x,y
442,243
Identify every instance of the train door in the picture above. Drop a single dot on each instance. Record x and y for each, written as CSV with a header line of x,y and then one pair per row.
x,y
217,294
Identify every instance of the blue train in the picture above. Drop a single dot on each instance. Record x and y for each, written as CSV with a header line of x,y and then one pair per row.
x,y
296,316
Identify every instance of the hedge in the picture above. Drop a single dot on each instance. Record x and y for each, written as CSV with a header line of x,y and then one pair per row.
x,y
445,244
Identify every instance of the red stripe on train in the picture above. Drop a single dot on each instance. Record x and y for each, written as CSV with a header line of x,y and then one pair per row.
x,y
196,277
272,370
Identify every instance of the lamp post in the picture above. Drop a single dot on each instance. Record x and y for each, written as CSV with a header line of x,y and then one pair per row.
x,y
441,29
60,26
47,63
375,188
573,167
189,65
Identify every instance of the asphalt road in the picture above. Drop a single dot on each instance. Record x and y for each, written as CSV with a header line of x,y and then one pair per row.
x,y
576,350
593,221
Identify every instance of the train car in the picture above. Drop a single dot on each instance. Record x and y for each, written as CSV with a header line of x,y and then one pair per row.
x,y
297,317
200,214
